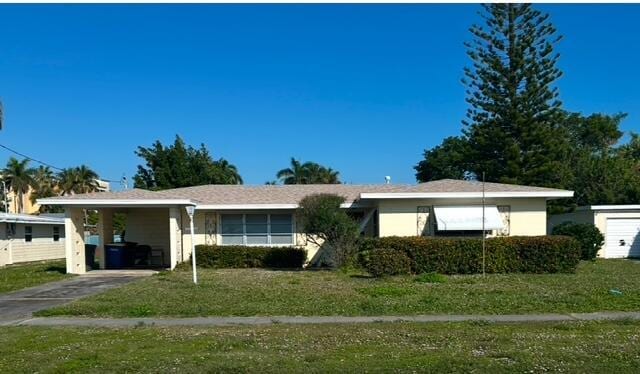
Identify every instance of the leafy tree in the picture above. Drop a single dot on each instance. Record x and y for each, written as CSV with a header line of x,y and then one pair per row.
x,y
179,165
447,160
308,173
19,178
329,227
594,134
77,180
512,124
601,172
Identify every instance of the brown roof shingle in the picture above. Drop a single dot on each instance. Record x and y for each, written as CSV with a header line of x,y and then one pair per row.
x,y
292,194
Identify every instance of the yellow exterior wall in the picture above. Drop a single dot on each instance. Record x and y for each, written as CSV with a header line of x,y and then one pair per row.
x,y
27,206
399,217
198,228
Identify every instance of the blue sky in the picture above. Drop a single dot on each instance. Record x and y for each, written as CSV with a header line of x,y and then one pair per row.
x,y
361,88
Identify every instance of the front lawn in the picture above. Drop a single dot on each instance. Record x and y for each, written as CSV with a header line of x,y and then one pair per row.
x,y
16,277
251,292
589,347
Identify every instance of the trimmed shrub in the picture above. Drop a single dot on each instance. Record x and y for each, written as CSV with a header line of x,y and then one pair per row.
x,y
525,254
381,262
232,256
590,238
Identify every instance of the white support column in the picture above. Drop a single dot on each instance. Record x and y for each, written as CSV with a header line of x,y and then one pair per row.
x,y
105,232
174,232
74,240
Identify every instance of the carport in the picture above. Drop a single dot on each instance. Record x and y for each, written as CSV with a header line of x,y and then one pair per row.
x,y
151,221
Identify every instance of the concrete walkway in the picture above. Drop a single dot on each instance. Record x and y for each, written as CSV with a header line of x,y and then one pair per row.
x,y
19,305
254,321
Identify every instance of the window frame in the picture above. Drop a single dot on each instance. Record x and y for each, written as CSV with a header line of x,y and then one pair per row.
x,y
269,234
28,237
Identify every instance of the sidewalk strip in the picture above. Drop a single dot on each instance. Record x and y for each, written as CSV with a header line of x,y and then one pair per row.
x,y
232,321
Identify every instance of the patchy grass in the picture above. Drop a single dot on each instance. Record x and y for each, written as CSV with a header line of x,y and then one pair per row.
x,y
599,347
16,277
431,278
251,292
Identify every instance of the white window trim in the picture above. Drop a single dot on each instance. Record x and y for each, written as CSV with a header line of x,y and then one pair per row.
x,y
269,234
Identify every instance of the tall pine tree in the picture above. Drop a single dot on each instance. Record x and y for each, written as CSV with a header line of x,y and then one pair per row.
x,y
513,125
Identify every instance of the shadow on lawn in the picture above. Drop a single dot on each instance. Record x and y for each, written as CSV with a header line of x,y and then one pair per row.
x,y
56,269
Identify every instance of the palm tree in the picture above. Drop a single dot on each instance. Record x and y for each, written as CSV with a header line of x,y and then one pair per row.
x,y
308,173
19,178
229,171
80,179
329,176
295,174
44,186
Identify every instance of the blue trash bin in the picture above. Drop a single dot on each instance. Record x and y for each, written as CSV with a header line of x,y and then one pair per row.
x,y
114,256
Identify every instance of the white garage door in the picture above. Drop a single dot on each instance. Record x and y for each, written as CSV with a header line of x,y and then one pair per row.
x,y
622,238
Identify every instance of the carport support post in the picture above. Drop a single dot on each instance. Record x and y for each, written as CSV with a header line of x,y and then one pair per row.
x,y
74,240
105,231
190,211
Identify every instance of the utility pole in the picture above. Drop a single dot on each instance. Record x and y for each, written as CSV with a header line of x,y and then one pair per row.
x,y
484,252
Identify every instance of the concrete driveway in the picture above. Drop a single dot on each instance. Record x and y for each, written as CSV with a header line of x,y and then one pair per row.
x,y
19,305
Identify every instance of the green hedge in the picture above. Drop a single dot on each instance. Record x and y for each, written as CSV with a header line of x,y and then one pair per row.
x,y
233,256
379,262
523,254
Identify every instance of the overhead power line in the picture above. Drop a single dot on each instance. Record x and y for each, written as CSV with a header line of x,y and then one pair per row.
x,y
44,163
30,158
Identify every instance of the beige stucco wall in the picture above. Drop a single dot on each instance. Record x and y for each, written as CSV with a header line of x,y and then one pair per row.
x,y
580,216
42,247
528,216
149,226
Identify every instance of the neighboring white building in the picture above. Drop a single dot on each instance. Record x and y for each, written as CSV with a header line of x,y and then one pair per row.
x,y
25,238
620,225
103,186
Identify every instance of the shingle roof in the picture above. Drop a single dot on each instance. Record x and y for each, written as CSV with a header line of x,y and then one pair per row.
x,y
292,194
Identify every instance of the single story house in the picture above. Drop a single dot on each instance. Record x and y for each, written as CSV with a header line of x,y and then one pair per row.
x,y
26,237
265,215
620,225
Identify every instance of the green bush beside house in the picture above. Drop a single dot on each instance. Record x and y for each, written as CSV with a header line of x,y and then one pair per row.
x,y
232,256
590,238
523,254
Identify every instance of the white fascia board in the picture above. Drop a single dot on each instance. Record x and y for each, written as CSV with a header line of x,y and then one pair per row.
x,y
609,207
61,222
258,206
245,206
462,195
115,202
